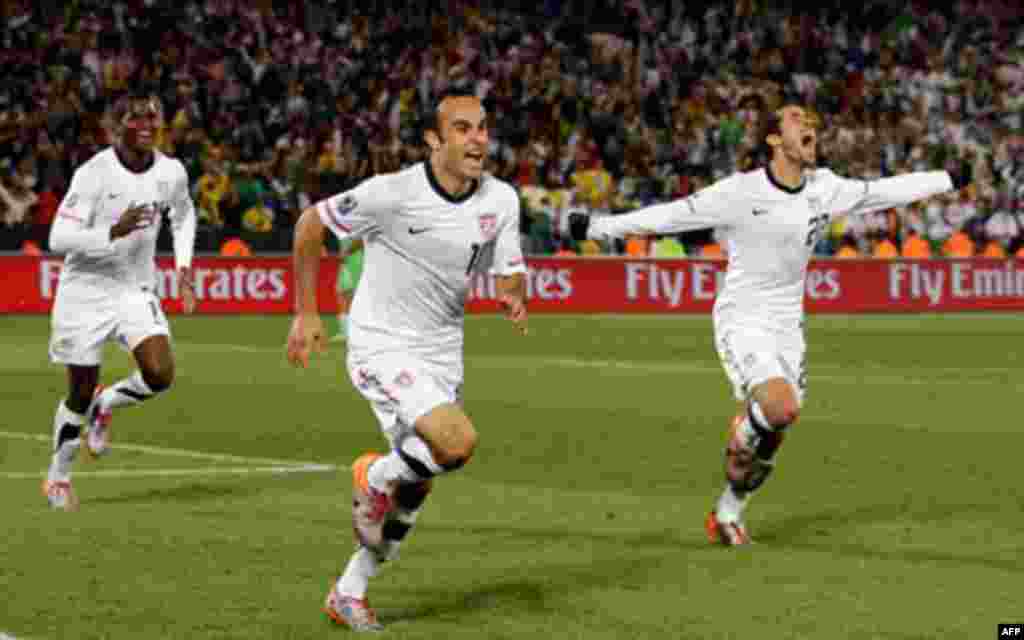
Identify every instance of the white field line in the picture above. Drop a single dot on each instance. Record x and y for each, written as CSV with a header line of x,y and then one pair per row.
x,y
172,473
246,465
174,453
5,636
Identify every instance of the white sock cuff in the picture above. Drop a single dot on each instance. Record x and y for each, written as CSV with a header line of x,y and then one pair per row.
x,y
140,383
416,447
758,416
66,415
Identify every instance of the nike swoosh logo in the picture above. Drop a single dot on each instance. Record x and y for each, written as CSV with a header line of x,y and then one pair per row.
x,y
415,231
112,196
760,212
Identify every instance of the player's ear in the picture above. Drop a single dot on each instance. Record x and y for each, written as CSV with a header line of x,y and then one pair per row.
x,y
433,139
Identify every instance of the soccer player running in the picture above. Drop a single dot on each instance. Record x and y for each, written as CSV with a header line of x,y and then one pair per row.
x,y
107,227
427,230
770,219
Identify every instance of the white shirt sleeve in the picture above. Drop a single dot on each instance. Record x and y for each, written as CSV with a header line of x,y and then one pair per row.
x,y
183,223
712,206
508,252
864,196
73,229
354,213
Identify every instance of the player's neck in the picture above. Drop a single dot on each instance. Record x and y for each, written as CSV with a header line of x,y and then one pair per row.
x,y
452,187
786,174
135,160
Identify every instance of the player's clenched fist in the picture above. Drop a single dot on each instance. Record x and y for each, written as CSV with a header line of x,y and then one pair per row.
x,y
305,336
133,219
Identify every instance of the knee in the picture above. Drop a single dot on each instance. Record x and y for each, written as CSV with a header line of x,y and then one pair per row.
x,y
782,414
159,377
457,449
462,447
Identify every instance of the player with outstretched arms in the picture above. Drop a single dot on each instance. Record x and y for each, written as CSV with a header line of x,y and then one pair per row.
x,y
770,219
427,231
107,227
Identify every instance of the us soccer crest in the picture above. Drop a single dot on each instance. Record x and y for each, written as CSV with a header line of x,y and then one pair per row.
x,y
489,225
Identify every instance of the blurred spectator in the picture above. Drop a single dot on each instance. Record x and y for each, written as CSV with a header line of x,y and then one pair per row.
x,y
17,199
915,246
641,104
959,245
46,212
667,247
636,246
885,248
848,248
215,191
565,249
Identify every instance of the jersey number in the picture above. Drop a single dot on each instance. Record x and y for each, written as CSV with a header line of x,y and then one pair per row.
x,y
816,224
473,258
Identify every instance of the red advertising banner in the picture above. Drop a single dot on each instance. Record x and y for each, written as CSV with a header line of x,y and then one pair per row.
x,y
596,285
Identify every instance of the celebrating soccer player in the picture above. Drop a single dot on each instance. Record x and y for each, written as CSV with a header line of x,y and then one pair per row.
x,y
770,219
427,230
107,226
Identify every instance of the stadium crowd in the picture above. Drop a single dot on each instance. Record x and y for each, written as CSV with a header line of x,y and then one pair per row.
x,y
605,105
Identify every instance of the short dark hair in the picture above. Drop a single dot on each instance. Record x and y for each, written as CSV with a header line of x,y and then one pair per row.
x,y
123,103
431,120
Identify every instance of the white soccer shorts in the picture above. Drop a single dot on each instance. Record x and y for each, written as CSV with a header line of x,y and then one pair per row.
x,y
402,389
752,356
85,317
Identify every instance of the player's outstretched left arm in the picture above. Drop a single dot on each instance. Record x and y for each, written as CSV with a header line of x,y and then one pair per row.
x,y
865,196
307,330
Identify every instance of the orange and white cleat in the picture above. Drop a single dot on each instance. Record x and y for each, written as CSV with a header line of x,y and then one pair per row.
x,y
97,435
370,507
730,534
60,495
353,613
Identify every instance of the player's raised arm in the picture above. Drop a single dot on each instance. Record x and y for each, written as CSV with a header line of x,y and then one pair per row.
x,y
183,232
349,215
713,206
864,196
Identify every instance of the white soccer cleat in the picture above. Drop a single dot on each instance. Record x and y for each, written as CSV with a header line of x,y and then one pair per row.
x,y
97,436
60,495
354,613
729,533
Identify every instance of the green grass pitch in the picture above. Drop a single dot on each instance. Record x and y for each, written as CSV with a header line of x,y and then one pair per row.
x,y
896,511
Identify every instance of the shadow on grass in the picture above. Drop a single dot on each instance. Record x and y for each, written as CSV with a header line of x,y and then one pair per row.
x,y
823,531
184,494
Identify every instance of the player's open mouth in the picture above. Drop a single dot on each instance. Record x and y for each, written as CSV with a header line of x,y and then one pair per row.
x,y
475,156
807,141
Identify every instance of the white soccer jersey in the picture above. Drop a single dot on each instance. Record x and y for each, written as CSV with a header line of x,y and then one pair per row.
x,y
770,231
422,249
101,190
